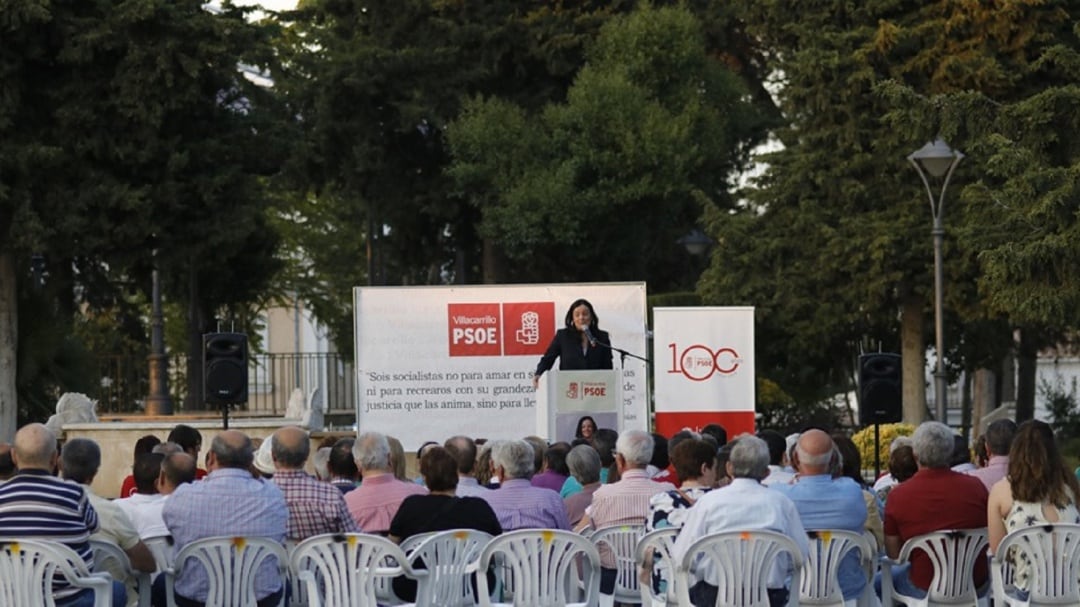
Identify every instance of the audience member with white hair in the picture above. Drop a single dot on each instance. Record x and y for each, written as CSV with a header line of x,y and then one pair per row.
x,y
516,503
375,502
744,505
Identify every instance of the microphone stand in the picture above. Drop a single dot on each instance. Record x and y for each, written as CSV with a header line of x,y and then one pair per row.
x,y
622,354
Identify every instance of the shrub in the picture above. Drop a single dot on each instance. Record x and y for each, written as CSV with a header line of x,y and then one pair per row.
x,y
864,440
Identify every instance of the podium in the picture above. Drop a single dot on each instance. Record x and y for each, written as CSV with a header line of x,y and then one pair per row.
x,y
565,396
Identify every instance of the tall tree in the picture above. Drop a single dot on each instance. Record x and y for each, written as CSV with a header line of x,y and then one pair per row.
x,y
127,127
651,131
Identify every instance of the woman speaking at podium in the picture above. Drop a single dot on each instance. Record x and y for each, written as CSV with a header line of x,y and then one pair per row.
x,y
578,346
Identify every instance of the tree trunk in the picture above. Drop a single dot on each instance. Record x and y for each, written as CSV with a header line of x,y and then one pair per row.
x,y
9,342
1025,375
984,397
494,270
913,352
196,325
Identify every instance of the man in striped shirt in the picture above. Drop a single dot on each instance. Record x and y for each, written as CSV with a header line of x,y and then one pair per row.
x,y
37,505
625,502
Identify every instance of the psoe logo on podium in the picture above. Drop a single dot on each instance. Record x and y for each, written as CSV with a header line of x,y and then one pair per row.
x,y
573,391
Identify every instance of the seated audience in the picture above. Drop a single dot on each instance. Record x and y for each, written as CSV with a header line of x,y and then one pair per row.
x,y
604,441
886,479
777,447
397,459
144,445
516,503
34,504
717,432
80,461
744,505
439,510
695,462
824,502
1038,489
658,465
850,466
463,450
625,502
144,506
554,473
315,507
375,502
319,463
902,466
342,465
999,437
584,466
228,502
190,440
961,456
936,498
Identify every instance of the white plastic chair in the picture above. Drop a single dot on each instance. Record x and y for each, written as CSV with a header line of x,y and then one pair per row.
x,y
953,554
541,565
449,560
341,569
1053,555
27,568
742,560
161,546
658,541
820,576
110,558
231,564
621,540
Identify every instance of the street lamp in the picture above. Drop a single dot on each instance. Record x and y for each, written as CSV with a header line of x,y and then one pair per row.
x,y
939,160
696,242
158,402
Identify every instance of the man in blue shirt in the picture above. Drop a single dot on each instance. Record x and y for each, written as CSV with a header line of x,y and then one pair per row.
x,y
825,502
228,502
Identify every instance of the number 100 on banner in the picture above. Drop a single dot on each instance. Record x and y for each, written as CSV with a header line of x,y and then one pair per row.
x,y
709,359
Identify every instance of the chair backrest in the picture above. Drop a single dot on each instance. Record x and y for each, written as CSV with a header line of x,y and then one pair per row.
x,y
111,559
953,554
27,569
820,575
1051,557
161,546
742,561
654,549
541,565
448,561
410,543
231,564
621,540
341,569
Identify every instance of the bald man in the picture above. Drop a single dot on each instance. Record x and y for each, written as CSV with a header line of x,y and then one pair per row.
x,y
229,501
35,504
315,507
824,502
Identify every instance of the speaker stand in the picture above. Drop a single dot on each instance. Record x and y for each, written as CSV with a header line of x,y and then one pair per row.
x,y
877,450
225,416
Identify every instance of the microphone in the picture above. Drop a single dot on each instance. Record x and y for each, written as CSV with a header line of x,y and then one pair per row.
x,y
589,335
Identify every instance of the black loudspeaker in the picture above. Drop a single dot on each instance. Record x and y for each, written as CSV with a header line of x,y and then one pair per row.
x,y
225,369
880,387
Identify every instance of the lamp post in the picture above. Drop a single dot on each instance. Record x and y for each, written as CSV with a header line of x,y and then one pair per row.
x,y
939,160
158,402
696,242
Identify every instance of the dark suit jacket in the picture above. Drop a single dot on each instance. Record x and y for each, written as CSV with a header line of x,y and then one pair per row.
x,y
566,346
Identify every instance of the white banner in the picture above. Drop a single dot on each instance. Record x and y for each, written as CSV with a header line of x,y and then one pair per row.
x,y
433,362
703,359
